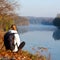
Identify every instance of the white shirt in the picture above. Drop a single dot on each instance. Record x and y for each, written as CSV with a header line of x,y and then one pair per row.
x,y
16,40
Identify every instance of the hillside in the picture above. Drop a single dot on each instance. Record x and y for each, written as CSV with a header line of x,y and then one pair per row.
x,y
34,20
41,20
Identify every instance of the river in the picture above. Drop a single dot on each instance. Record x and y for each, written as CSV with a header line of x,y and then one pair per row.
x,y
39,37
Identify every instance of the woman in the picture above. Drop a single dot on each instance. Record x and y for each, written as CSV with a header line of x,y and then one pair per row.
x,y
13,41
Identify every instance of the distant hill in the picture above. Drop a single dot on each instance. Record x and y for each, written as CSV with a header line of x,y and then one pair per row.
x,y
34,20
40,20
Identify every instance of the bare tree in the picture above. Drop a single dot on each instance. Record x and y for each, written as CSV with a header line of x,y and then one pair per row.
x,y
7,7
7,12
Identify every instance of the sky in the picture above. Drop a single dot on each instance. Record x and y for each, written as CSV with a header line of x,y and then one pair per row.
x,y
39,8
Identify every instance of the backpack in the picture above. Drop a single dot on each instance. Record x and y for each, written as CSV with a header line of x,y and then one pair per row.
x,y
8,40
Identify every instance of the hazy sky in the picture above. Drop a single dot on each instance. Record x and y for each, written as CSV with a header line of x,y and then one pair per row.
x,y
39,8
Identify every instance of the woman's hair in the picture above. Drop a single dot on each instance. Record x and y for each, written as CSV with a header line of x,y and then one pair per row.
x,y
13,26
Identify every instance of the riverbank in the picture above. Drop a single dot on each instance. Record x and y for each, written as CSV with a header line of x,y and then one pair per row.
x,y
21,55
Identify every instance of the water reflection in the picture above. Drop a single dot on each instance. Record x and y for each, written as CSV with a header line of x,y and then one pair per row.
x,y
56,34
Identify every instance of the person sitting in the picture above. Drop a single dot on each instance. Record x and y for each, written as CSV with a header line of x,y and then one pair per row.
x,y
12,40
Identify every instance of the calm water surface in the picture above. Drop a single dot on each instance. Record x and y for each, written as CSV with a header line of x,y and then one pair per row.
x,y
41,36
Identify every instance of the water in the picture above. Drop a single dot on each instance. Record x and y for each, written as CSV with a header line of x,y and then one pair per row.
x,y
41,36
